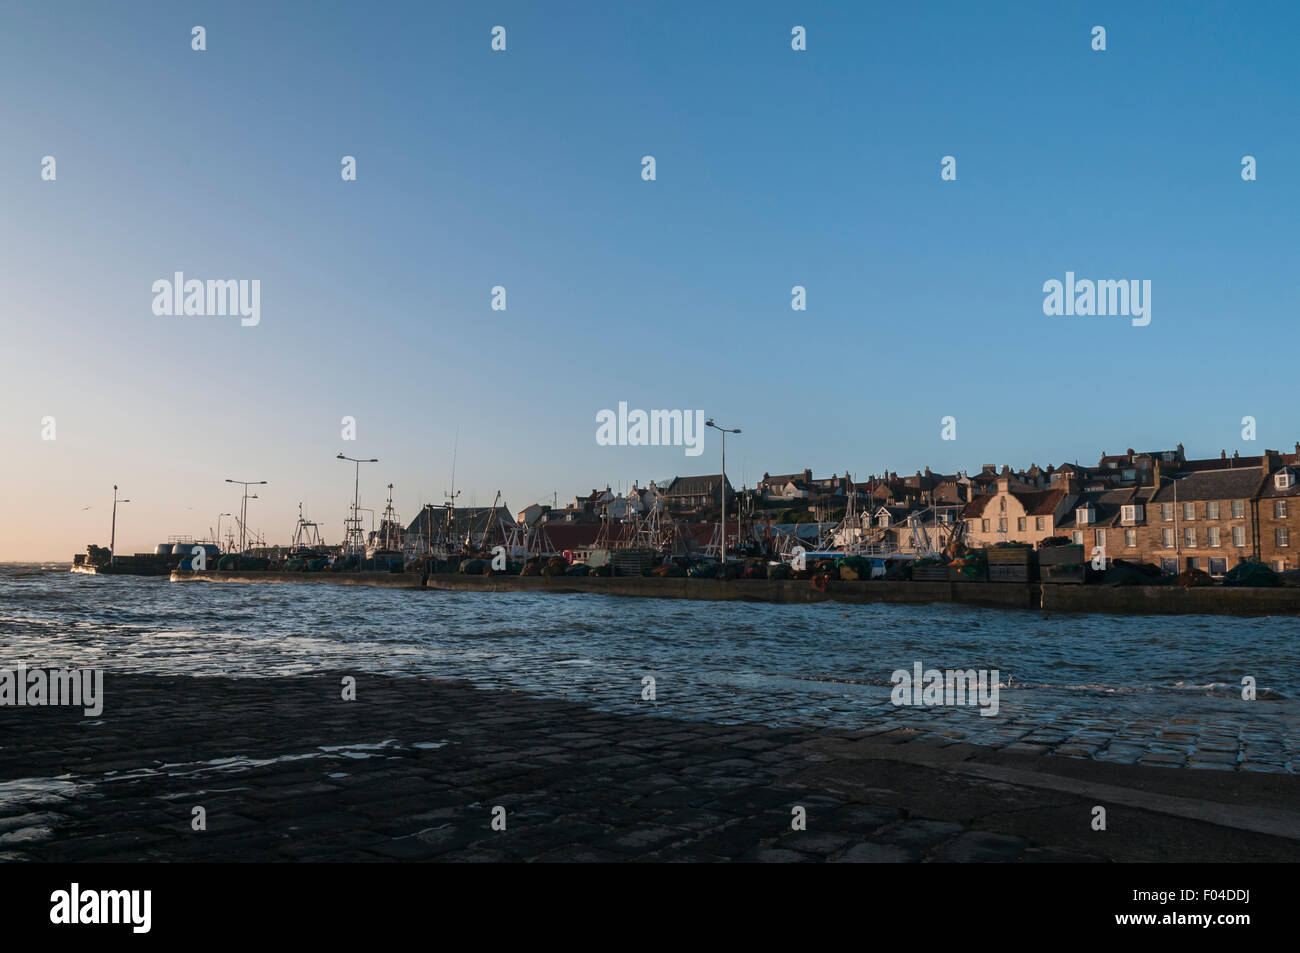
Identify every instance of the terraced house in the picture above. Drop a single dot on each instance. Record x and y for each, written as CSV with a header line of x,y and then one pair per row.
x,y
1202,520
1107,520
1279,519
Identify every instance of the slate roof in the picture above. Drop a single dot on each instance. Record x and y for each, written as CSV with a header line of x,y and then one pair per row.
x,y
695,485
1238,483
1107,503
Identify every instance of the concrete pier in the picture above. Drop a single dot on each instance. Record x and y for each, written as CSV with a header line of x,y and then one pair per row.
x,y
1047,597
388,580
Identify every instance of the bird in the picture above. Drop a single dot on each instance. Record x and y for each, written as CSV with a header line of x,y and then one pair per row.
x,y
84,508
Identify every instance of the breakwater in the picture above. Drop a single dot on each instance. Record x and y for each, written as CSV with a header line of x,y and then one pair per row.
x,y
1161,600
1048,597
387,580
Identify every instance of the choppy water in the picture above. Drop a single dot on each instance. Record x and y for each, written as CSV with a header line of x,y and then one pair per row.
x,y
823,664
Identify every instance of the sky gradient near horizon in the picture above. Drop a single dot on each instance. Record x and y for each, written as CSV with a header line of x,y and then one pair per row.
x,y
775,168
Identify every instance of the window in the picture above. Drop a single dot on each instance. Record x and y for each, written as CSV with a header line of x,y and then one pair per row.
x,y
1131,513
1002,525
1239,536
1218,566
1038,522
1101,537
1283,536
1020,524
1239,509
1189,537
1078,537
1167,512
1284,480
1213,536
984,526
1279,509
1189,512
1169,566
1167,538
1003,503
1130,539
1279,565
1212,510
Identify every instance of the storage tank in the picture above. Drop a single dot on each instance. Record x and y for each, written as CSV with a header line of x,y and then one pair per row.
x,y
182,549
163,549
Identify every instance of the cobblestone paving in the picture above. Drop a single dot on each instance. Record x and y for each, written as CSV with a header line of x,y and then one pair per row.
x,y
287,771
1211,732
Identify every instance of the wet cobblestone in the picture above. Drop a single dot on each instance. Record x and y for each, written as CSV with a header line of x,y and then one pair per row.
x,y
411,771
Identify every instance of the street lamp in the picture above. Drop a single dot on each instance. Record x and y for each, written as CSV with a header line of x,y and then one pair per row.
x,y
356,501
724,431
243,508
112,539
218,539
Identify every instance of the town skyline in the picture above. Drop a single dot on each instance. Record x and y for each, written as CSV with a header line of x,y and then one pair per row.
x,y
135,533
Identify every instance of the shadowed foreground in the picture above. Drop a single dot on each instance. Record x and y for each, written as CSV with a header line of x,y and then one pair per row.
x,y
411,770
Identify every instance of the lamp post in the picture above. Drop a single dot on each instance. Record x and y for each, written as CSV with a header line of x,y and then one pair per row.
x,y
112,539
218,539
243,508
356,502
724,431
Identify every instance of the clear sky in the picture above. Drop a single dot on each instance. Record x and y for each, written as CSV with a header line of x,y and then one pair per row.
x,y
522,168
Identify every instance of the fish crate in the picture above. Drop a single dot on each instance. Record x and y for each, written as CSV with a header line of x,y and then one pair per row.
x,y
1006,573
632,562
1009,556
1063,573
929,573
1059,555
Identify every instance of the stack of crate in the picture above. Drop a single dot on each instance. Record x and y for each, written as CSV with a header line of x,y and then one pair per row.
x,y
1011,564
1062,563
935,573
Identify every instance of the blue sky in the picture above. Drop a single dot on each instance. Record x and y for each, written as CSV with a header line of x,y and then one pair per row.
x,y
775,168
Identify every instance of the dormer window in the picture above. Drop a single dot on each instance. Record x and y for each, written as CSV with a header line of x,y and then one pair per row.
x,y
1085,515
1132,513
1284,480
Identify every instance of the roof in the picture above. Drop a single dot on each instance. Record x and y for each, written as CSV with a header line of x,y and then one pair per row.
x,y
1034,502
465,519
1106,504
694,485
1237,483
1270,490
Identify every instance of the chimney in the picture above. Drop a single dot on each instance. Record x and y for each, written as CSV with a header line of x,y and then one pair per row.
x,y
1130,451
1223,454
